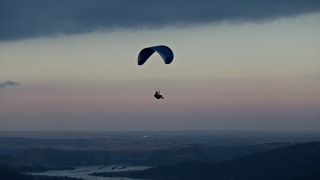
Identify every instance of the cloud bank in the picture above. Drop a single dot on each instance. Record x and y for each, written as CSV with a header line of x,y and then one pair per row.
x,y
34,18
8,83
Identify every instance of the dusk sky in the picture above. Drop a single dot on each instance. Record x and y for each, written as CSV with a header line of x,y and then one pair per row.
x,y
238,65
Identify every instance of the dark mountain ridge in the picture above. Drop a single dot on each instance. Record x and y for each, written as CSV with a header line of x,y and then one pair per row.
x,y
55,157
286,163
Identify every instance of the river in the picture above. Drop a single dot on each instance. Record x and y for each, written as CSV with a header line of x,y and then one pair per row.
x,y
83,171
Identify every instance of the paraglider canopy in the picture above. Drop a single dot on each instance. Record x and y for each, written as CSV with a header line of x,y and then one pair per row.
x,y
165,52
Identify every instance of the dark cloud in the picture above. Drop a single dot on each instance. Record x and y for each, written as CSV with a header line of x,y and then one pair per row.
x,y
33,18
8,83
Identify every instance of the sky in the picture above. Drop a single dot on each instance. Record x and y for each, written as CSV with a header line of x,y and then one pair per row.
x,y
238,65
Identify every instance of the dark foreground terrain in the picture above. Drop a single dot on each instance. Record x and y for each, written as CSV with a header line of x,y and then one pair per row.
x,y
7,175
177,155
294,162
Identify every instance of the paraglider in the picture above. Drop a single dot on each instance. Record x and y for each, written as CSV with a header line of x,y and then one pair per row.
x,y
157,95
165,53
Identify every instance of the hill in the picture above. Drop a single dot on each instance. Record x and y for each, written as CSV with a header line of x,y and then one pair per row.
x,y
297,161
56,158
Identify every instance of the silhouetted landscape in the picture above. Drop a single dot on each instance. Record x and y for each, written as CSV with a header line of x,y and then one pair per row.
x,y
194,155
284,163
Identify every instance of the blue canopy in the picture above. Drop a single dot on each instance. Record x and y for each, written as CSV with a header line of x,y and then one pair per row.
x,y
165,52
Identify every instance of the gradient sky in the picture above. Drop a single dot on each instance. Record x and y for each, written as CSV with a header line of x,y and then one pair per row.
x,y
239,65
